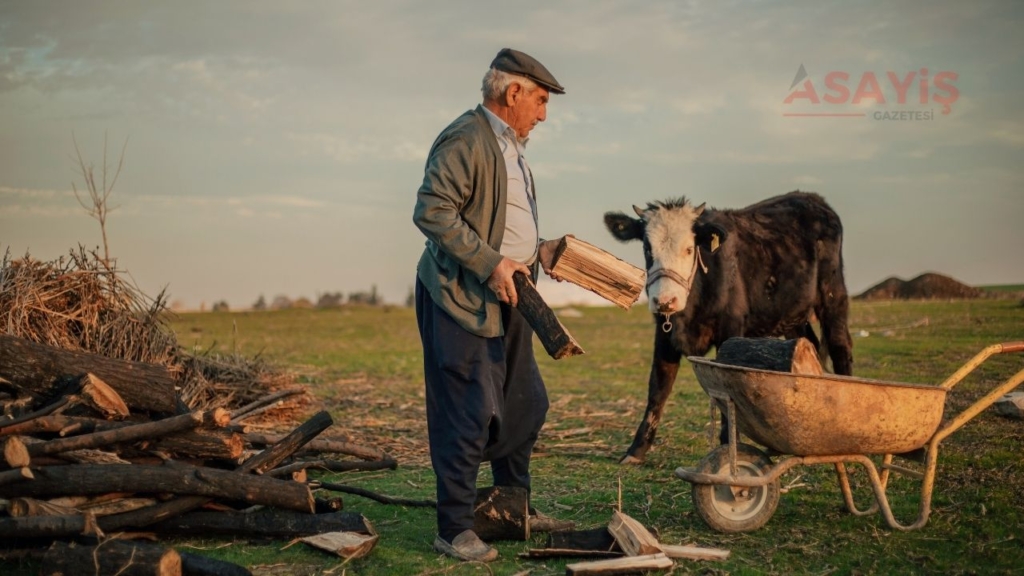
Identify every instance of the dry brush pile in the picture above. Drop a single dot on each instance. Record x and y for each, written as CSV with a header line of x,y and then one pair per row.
x,y
109,427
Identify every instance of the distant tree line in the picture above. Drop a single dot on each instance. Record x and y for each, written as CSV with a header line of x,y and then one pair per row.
x,y
325,300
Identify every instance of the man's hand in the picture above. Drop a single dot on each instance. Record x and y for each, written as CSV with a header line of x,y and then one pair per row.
x,y
500,281
546,255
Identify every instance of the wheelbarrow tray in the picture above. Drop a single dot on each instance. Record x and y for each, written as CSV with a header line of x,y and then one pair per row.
x,y
824,415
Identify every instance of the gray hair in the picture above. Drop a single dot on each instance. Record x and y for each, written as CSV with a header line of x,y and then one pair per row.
x,y
496,82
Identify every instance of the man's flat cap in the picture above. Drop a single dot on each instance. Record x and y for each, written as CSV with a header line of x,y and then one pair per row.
x,y
515,62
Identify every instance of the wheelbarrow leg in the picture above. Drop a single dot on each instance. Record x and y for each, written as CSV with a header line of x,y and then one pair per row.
x,y
844,486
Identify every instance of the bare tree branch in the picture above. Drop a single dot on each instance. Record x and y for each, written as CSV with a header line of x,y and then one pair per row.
x,y
98,206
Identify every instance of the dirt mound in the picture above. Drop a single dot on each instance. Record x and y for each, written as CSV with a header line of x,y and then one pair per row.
x,y
928,286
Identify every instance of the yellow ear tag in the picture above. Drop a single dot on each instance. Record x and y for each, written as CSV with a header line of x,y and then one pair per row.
x,y
714,242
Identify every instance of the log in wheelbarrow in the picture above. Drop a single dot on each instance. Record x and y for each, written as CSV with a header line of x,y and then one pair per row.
x,y
822,419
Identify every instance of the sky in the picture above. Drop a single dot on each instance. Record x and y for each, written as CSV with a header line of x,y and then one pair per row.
x,y
275,148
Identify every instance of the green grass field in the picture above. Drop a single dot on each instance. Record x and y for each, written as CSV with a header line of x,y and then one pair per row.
x,y
363,364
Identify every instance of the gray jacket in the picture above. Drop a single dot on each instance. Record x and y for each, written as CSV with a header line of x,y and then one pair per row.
x,y
460,208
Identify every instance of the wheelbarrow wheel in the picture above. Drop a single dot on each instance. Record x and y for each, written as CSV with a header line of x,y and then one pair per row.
x,y
736,508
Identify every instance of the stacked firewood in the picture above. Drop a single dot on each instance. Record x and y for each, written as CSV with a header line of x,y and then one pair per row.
x,y
94,446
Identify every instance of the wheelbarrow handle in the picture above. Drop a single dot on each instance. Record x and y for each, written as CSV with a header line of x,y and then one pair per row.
x,y
1012,346
980,358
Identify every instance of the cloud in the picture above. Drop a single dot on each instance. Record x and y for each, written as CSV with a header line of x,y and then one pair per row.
x,y
1011,133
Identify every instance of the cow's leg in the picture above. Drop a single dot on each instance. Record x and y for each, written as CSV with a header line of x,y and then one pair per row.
x,y
834,328
663,377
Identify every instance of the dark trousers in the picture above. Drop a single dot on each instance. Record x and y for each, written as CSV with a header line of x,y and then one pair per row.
x,y
485,401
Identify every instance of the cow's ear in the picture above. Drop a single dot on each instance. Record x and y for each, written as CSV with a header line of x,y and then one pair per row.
x,y
709,235
623,227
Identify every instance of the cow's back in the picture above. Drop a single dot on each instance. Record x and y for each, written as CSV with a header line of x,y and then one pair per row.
x,y
778,256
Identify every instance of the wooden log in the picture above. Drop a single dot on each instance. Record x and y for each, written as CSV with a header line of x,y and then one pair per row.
x,y
797,355
502,513
240,413
694,552
540,553
595,539
266,523
110,557
15,453
12,425
327,505
332,466
628,565
15,475
632,536
321,445
20,507
287,446
591,268
204,444
87,479
58,423
35,369
102,398
132,433
374,496
198,565
552,334
263,461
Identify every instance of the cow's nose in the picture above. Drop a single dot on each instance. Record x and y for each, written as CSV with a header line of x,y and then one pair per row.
x,y
665,304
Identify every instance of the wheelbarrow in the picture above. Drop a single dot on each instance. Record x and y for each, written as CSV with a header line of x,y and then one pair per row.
x,y
822,419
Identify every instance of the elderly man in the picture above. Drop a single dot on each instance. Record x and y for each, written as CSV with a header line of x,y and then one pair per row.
x,y
477,207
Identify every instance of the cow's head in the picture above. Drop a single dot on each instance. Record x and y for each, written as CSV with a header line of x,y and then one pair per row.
x,y
671,231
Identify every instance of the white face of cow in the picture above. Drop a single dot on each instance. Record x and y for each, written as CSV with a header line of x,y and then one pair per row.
x,y
672,258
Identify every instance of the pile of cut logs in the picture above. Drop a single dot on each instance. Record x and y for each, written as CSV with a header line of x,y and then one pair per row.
x,y
93,447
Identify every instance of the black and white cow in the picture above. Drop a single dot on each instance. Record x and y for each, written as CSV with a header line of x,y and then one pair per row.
x,y
764,270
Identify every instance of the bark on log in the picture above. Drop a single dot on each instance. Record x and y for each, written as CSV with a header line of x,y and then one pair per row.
x,y
110,557
35,369
205,444
318,445
556,339
332,466
541,553
287,446
374,496
266,523
628,565
502,513
591,268
196,565
16,475
172,479
149,430
632,536
595,539
797,355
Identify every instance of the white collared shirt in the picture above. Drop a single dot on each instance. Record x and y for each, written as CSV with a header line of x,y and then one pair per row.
x,y
520,240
